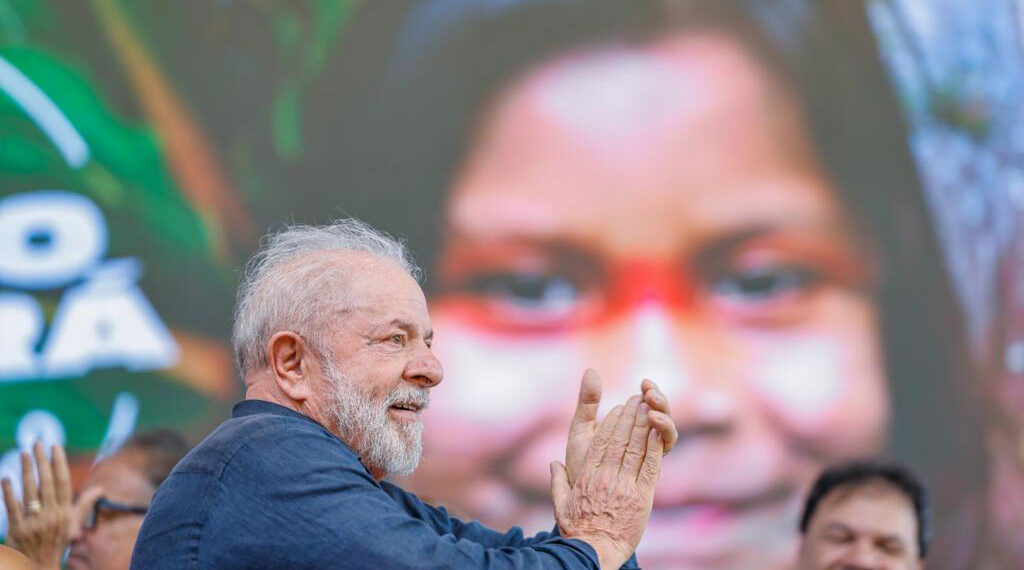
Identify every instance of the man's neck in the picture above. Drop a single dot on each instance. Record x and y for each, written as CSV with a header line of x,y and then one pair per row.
x,y
261,389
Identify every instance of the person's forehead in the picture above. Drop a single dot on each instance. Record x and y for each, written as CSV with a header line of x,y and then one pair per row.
x,y
364,274
379,289
121,476
646,88
661,145
872,507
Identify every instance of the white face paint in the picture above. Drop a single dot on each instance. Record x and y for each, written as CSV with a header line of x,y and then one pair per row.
x,y
803,377
657,357
825,390
497,380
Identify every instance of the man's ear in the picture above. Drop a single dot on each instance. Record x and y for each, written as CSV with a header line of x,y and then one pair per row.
x,y
291,363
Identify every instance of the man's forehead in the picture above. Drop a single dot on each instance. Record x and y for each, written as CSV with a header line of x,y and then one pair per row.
x,y
122,475
401,313
880,490
870,507
374,287
366,273
388,305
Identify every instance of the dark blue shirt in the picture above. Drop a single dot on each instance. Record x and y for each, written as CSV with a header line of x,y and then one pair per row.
x,y
271,488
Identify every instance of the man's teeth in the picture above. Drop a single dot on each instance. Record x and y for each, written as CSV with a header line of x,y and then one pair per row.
x,y
412,407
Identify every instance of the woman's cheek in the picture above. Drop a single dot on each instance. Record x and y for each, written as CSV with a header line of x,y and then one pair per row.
x,y
497,387
825,388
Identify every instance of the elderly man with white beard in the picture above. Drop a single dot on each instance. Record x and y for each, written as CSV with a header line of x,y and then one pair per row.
x,y
333,339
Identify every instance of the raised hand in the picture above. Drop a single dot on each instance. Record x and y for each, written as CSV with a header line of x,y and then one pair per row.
x,y
40,526
610,502
584,421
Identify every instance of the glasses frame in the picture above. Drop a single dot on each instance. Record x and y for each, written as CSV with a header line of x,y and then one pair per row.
x,y
103,504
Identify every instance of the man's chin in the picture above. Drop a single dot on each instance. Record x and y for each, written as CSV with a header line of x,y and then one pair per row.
x,y
402,454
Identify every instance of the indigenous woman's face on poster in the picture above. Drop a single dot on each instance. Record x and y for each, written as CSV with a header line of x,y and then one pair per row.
x,y
658,212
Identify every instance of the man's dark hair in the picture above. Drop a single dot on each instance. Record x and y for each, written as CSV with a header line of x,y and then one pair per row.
x,y
163,449
863,473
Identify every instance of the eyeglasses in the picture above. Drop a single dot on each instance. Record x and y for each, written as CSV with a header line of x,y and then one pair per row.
x,y
103,508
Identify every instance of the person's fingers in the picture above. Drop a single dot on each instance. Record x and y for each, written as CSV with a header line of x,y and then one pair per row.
x,y
651,467
653,395
601,437
620,434
560,487
666,428
29,493
633,457
14,514
61,475
656,399
589,398
584,423
47,494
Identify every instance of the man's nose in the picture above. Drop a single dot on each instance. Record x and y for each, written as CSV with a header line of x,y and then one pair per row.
x,y
424,368
76,533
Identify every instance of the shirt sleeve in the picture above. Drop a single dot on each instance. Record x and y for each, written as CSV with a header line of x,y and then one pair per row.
x,y
313,505
443,523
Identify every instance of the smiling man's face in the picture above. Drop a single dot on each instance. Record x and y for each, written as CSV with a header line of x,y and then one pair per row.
x,y
872,526
378,378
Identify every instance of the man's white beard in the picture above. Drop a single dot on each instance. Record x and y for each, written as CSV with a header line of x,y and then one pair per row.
x,y
383,443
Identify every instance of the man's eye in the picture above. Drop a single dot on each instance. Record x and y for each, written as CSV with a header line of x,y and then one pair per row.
x,y
398,338
764,284
528,291
892,548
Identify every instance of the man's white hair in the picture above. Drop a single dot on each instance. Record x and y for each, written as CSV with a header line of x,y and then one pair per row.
x,y
286,287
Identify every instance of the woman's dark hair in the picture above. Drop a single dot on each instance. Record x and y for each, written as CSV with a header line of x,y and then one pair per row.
x,y
454,56
862,473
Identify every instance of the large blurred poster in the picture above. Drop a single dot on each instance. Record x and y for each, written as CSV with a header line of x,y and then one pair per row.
x,y
801,218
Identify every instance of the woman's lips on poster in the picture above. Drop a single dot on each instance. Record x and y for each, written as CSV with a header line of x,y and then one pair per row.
x,y
706,526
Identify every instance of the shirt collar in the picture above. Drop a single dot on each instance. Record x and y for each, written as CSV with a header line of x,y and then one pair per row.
x,y
253,407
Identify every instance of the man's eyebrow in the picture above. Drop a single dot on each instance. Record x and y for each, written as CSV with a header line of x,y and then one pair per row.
x,y
835,525
409,326
401,324
893,538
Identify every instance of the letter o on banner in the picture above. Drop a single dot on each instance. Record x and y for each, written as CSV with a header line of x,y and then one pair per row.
x,y
49,238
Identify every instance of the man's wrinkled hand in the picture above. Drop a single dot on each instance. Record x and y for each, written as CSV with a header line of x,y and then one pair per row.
x,y
610,503
584,421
